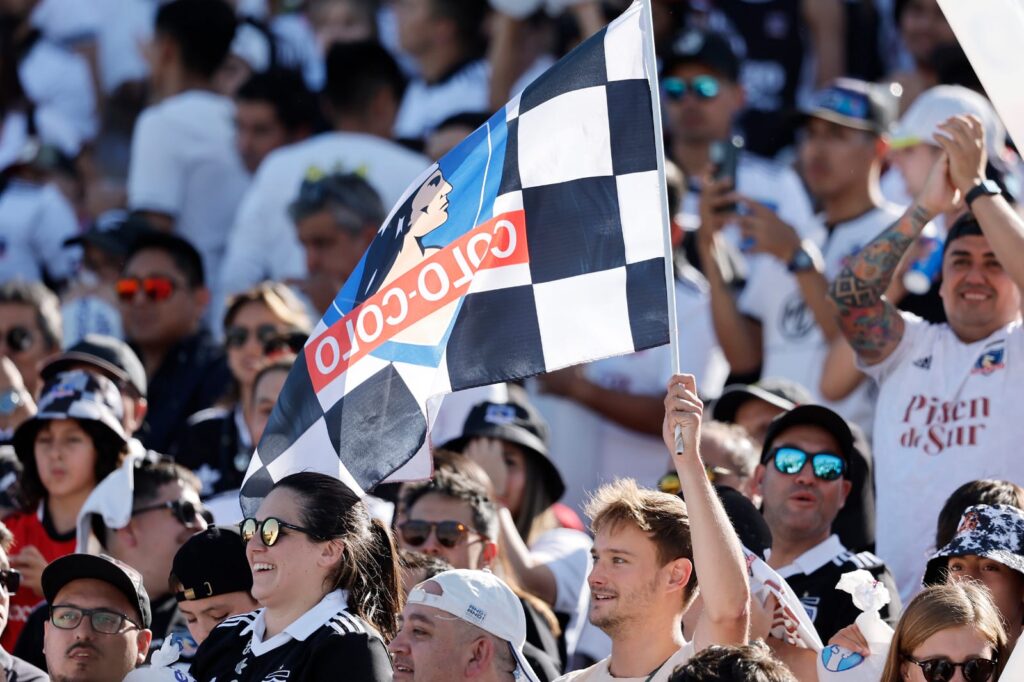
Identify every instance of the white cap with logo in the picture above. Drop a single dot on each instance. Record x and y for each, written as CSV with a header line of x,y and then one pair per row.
x,y
935,105
482,599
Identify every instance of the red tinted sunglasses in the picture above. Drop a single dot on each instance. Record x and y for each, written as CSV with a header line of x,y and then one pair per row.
x,y
155,288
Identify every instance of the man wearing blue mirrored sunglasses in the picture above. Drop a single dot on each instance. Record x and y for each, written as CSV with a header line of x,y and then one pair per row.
x,y
803,482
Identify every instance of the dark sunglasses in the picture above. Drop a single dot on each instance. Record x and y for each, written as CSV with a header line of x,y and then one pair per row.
x,y
790,460
669,483
236,337
704,87
184,511
943,669
11,580
415,533
104,621
269,530
156,289
19,339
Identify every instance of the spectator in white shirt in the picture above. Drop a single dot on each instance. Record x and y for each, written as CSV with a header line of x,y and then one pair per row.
x,y
185,173
364,87
444,39
945,413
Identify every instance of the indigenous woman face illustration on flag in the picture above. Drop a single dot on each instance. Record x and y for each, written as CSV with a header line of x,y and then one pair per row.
x,y
399,246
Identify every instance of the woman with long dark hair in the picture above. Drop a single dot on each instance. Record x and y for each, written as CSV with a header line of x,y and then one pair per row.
x,y
327,577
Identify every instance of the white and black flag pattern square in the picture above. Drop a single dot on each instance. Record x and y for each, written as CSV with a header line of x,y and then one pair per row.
x,y
535,244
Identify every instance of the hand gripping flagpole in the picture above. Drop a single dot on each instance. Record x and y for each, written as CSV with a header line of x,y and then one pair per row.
x,y
651,67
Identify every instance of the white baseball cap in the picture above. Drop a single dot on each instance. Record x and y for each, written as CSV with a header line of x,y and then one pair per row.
x,y
482,599
936,105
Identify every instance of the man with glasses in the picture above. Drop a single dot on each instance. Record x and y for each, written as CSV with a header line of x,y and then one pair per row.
x,y
163,297
802,480
451,517
99,618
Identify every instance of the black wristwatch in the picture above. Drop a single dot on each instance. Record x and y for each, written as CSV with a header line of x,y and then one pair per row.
x,y
801,261
987,188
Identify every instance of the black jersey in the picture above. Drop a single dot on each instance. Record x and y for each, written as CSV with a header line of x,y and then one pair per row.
x,y
814,577
326,643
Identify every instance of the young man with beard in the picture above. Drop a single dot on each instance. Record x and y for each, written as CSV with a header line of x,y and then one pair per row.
x,y
946,412
648,548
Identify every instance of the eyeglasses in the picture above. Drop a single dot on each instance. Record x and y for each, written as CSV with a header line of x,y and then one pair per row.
x,y
942,669
415,532
790,460
270,530
704,87
19,339
236,337
104,621
669,483
184,511
11,580
156,289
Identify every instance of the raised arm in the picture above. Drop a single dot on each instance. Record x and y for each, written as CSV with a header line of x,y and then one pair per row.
x,y
963,140
870,323
717,556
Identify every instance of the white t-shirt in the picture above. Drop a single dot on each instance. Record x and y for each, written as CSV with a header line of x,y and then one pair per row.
x,y
264,244
34,222
425,106
590,450
56,77
946,415
67,22
599,671
126,26
184,163
794,347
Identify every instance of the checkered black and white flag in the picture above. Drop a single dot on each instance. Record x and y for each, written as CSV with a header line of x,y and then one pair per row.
x,y
535,244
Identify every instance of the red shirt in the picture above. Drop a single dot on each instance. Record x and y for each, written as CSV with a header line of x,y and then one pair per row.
x,y
29,530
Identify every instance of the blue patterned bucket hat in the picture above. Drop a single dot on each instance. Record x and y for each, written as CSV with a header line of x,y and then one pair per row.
x,y
994,532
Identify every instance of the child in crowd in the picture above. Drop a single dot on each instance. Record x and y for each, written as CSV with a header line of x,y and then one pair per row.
x,y
72,443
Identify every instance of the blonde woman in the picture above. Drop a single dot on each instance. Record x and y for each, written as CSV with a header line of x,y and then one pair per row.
x,y
948,633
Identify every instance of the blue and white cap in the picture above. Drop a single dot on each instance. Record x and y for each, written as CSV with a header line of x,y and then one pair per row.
x,y
482,599
991,531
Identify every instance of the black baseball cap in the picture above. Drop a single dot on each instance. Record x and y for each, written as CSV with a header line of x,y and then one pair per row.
x,y
112,356
782,393
73,567
210,563
813,415
516,421
713,50
114,232
854,103
964,226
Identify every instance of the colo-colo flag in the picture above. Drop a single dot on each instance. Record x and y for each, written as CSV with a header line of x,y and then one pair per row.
x,y
535,244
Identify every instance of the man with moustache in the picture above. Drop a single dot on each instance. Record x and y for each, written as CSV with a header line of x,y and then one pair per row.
x,y
98,629
802,479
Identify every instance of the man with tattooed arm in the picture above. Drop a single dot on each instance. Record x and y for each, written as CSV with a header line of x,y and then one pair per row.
x,y
946,412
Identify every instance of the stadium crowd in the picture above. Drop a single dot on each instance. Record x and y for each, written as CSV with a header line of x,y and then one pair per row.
x,y
185,185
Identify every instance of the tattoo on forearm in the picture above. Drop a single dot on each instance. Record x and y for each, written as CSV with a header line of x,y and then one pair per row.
x,y
864,316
